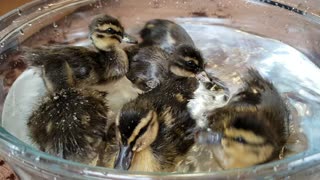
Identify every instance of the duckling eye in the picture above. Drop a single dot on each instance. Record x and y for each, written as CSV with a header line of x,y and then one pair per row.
x,y
191,64
240,139
111,31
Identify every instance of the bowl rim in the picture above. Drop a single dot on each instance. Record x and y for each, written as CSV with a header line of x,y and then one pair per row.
x,y
17,151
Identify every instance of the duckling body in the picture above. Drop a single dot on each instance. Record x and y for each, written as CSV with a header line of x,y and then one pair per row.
x,y
90,67
70,122
149,60
253,125
156,136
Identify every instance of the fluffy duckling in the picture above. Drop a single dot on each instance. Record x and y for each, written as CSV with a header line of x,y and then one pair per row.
x,y
108,63
149,59
70,123
253,125
152,140
156,130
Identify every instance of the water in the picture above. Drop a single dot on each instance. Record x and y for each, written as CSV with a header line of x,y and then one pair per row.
x,y
229,52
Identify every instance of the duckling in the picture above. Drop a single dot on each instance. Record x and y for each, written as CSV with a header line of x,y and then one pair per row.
x,y
70,122
90,67
156,129
149,59
253,125
152,140
102,70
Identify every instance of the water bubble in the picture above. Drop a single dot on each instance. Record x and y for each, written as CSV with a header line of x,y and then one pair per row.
x,y
55,25
29,24
37,158
275,168
21,32
39,9
19,12
2,44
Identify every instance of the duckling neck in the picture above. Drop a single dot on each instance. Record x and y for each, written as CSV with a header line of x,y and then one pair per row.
x,y
114,63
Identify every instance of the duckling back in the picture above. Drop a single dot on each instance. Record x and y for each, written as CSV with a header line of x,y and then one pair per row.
x,y
71,124
165,34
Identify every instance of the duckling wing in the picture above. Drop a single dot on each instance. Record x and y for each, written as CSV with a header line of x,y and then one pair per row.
x,y
38,56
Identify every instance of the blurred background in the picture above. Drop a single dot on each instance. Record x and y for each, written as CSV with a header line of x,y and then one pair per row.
x,y
8,5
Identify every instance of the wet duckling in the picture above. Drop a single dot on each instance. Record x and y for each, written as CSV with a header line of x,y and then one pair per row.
x,y
90,67
70,123
149,59
253,125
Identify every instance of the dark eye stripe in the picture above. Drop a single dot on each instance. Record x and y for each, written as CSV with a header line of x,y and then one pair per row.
x,y
110,31
243,141
141,132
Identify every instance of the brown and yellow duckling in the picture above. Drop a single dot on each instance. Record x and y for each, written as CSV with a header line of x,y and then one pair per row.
x,y
70,122
149,59
253,126
90,67
103,70
156,130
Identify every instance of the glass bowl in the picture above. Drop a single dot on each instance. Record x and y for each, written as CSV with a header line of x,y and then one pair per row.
x,y
291,25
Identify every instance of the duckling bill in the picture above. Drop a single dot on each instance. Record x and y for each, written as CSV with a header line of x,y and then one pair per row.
x,y
253,125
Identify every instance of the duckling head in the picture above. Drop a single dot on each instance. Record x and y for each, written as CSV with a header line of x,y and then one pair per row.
x,y
188,62
252,126
246,140
136,131
105,32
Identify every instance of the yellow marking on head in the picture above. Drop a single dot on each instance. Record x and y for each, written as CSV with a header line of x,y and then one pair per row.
x,y
249,136
150,26
104,43
85,119
167,117
143,122
69,71
181,72
180,97
145,161
191,59
49,127
149,136
104,27
237,155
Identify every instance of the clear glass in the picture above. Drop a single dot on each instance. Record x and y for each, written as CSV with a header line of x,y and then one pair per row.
x,y
292,22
